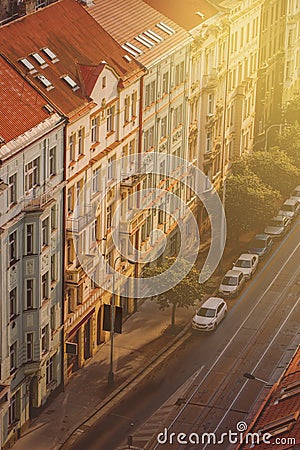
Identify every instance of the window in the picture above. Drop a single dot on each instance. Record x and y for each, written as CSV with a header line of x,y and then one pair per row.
x,y
52,162
13,303
32,174
70,251
13,410
45,286
103,82
39,59
149,139
111,168
179,73
70,200
29,239
108,217
45,232
81,141
51,55
72,141
12,189
96,180
163,128
29,346
110,119
208,142
177,116
165,83
133,104
71,82
44,339
53,268
49,370
95,129
53,318
173,246
150,93
29,294
12,247
53,218
13,357
127,109
210,106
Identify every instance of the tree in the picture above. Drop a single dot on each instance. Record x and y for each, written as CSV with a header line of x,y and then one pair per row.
x,y
249,203
181,295
289,142
275,169
291,110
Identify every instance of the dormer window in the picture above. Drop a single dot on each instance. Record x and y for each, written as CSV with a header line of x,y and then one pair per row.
x,y
38,58
70,82
51,55
28,65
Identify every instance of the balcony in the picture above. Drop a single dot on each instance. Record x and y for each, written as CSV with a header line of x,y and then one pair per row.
x,y
210,79
37,198
132,180
77,224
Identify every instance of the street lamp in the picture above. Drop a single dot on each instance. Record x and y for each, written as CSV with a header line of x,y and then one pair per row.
x,y
280,125
250,376
111,375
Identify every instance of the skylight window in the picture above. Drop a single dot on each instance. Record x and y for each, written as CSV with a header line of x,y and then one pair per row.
x,y
145,38
143,41
27,64
162,26
48,85
70,82
134,48
135,54
127,58
51,55
39,59
151,34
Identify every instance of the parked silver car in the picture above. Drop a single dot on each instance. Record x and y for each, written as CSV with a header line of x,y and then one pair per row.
x,y
232,283
278,226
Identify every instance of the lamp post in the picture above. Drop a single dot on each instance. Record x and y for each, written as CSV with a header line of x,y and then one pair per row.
x,y
280,125
250,376
111,375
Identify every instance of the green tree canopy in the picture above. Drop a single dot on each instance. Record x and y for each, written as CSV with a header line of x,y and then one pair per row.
x,y
289,142
181,295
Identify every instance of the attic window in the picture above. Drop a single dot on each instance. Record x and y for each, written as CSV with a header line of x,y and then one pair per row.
x,y
289,391
52,56
2,140
163,27
154,36
48,109
28,64
145,41
128,46
70,82
281,425
200,14
39,60
48,85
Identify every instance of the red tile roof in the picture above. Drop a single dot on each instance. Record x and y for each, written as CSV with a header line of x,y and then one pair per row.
x,y
185,12
90,76
75,38
278,407
126,20
21,106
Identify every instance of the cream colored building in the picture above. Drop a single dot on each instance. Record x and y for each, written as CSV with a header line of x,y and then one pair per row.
x,y
291,83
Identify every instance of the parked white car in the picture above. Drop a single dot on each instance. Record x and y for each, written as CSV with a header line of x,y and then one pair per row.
x,y
247,263
232,283
210,314
278,226
296,194
290,208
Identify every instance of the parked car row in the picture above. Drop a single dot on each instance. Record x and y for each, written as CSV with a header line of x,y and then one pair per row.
x,y
213,310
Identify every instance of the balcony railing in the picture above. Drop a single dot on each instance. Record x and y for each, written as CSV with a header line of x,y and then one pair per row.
x,y
37,198
77,224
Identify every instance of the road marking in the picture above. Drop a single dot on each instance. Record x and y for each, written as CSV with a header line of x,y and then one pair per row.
x,y
258,363
232,338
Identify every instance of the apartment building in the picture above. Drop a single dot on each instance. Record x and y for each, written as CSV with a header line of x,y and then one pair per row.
x,y
291,83
31,251
163,48
271,74
58,49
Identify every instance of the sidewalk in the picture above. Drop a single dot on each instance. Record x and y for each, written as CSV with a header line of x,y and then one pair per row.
x,y
144,335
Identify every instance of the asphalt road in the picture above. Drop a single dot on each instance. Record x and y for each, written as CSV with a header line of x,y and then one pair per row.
x,y
258,329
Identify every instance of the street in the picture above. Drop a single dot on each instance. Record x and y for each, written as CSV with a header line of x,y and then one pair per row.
x,y
259,327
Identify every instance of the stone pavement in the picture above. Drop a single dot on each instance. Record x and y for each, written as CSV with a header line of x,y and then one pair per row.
x,y
144,336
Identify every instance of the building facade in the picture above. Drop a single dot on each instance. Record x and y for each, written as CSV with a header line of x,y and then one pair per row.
x,y
31,243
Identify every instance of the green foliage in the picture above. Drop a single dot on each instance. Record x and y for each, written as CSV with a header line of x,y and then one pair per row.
x,y
289,142
291,110
275,169
181,295
249,202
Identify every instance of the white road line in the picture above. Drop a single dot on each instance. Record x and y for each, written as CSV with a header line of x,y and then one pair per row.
x,y
230,341
258,363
